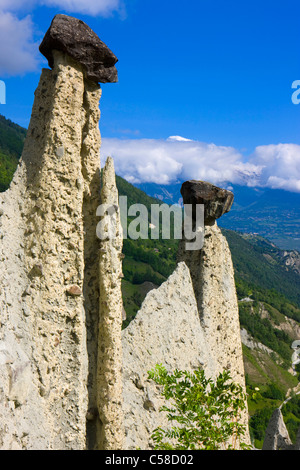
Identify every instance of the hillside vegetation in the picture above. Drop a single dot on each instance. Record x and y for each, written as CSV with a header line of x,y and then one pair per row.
x,y
12,139
275,215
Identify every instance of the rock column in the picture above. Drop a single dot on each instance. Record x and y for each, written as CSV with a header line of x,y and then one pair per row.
x,y
109,375
213,281
49,267
277,436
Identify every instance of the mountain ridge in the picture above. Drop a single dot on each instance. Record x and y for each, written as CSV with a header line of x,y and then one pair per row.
x,y
271,213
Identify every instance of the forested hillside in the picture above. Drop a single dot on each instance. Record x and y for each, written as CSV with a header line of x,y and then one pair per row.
x,y
12,139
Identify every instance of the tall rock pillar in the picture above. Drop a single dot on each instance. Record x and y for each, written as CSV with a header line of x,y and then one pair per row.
x,y
109,376
48,251
212,276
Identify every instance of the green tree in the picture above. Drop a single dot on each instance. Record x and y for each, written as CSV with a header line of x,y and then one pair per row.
x,y
205,413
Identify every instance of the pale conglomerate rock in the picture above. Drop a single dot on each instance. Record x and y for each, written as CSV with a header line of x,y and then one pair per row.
x,y
277,436
214,287
109,372
44,367
167,331
212,275
49,253
69,379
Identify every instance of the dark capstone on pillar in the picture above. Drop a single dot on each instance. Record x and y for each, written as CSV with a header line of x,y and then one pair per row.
x,y
78,40
217,201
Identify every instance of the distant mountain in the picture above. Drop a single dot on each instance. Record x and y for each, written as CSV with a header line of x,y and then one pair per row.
x,y
262,265
170,193
275,215
271,213
258,263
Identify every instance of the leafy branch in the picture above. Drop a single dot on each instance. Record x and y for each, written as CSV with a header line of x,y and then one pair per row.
x,y
205,414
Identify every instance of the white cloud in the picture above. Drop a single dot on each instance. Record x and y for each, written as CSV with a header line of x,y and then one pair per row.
x,y
280,166
19,52
290,184
142,160
166,161
178,159
178,138
89,7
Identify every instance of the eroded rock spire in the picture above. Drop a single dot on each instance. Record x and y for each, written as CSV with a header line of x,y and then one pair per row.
x,y
49,253
212,275
277,436
109,376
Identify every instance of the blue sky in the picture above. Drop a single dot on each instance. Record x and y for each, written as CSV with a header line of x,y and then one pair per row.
x,y
218,73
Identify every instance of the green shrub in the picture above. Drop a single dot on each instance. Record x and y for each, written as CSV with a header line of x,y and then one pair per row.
x,y
205,413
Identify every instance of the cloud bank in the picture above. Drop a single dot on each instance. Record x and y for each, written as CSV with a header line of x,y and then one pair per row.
x,y
88,7
177,159
19,52
280,166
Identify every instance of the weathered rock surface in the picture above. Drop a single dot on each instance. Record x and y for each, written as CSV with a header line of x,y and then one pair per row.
x,y
277,436
166,330
291,259
217,201
109,373
75,38
213,282
49,269
251,343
